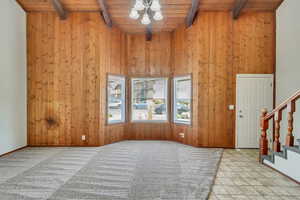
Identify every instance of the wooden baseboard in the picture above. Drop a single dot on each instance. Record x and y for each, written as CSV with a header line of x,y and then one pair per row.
x,y
64,146
18,149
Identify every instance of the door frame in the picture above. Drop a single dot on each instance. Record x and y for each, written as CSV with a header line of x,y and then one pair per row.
x,y
236,87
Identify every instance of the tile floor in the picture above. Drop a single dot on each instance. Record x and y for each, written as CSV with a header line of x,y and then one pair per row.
x,y
241,176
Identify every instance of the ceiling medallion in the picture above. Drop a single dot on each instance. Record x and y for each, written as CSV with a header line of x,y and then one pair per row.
x,y
146,8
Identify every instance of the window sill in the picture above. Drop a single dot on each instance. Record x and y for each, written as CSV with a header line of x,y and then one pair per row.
x,y
182,124
115,123
149,122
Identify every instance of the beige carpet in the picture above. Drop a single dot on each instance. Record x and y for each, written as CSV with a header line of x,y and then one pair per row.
x,y
129,170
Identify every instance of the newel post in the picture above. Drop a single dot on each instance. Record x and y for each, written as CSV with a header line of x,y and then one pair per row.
x,y
290,138
264,125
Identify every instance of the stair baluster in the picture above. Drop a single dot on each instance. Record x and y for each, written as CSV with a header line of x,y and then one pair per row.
x,y
264,125
276,143
277,115
290,138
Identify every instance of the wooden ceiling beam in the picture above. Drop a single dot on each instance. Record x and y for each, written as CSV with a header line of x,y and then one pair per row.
x,y
192,13
21,5
59,8
238,7
104,12
149,32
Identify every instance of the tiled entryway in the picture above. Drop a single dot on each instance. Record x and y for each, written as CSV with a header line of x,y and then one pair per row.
x,y
241,176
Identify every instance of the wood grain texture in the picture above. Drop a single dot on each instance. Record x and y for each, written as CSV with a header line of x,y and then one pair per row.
x,y
214,50
67,65
147,59
68,62
254,43
174,11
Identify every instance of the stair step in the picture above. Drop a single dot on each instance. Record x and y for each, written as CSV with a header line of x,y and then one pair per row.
x,y
281,154
295,148
269,158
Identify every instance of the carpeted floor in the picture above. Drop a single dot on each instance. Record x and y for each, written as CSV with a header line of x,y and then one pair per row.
x,y
129,170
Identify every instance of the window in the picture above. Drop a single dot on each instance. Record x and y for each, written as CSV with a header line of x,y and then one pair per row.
x,y
182,99
115,99
149,99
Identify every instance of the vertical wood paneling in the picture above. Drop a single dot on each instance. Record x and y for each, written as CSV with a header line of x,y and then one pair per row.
x,y
146,59
67,65
68,62
254,43
115,64
214,50
220,63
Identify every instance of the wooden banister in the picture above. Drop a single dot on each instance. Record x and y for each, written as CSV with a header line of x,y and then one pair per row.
x,y
290,104
283,105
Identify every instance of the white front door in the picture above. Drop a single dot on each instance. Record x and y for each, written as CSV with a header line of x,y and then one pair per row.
x,y
253,93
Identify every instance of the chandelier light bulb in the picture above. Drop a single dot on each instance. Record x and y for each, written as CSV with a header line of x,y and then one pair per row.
x,y
146,19
158,16
146,8
139,5
155,6
134,14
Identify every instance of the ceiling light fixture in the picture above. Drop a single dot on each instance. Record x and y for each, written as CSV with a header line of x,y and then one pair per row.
x,y
147,8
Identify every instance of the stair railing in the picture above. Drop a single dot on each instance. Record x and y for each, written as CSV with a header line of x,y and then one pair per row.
x,y
276,114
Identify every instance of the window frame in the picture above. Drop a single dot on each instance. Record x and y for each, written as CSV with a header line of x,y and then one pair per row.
x,y
174,102
167,92
123,99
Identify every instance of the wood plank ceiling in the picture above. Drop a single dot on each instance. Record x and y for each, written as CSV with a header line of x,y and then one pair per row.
x,y
175,11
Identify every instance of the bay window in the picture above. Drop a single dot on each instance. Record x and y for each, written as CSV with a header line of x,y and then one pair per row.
x,y
182,102
115,99
149,99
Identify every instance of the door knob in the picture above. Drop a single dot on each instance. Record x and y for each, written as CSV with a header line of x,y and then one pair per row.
x,y
241,116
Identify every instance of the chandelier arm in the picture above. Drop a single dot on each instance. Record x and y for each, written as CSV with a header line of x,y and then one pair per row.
x,y
150,3
147,3
149,12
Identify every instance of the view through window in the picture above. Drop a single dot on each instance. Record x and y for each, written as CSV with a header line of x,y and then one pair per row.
x,y
182,99
149,99
116,99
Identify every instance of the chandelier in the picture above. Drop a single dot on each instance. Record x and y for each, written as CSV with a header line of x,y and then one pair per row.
x,y
147,8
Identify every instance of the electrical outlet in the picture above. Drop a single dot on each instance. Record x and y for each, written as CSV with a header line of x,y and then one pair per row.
x,y
83,138
181,135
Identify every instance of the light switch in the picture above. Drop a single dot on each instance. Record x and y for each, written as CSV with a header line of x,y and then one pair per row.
x,y
231,107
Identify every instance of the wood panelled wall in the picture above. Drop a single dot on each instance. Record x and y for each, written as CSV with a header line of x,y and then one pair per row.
x,y
67,65
214,50
68,62
149,59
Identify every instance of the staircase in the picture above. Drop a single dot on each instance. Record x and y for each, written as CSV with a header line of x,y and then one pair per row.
x,y
283,158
